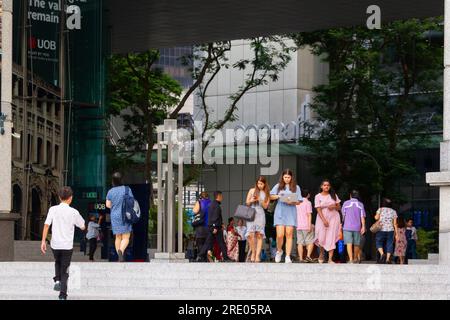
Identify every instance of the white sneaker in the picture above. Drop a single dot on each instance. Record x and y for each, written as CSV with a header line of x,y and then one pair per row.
x,y
287,259
278,256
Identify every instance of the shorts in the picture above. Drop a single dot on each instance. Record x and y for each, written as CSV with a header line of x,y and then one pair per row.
x,y
352,237
304,237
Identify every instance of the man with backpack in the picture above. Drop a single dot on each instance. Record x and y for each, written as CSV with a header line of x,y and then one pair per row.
x,y
63,220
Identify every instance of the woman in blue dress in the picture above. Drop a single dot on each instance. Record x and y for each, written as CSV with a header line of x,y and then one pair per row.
x,y
121,229
285,217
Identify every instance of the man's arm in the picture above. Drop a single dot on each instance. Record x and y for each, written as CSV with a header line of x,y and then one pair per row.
x,y
363,225
44,239
79,222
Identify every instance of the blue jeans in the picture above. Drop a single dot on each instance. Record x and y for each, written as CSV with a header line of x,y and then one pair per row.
x,y
385,241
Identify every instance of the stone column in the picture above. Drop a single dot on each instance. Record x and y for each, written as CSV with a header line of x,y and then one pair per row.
x,y
442,179
6,218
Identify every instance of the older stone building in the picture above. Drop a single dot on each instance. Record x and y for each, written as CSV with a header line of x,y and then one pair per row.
x,y
37,152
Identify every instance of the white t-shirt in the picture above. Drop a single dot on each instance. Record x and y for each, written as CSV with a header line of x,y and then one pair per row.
x,y
63,220
241,231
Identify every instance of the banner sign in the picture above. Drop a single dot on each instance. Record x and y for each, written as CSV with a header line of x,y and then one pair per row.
x,y
44,23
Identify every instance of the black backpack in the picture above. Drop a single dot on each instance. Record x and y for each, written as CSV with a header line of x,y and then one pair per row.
x,y
131,212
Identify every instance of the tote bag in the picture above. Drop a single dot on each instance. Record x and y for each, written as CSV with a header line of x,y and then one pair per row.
x,y
245,213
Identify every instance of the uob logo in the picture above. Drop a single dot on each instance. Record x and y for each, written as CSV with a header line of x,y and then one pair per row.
x,y
42,44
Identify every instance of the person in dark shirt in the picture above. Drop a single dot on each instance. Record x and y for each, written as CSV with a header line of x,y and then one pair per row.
x,y
215,229
201,210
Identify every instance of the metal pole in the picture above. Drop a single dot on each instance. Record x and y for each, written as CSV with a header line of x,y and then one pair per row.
x,y
26,154
170,196
180,198
159,130
62,85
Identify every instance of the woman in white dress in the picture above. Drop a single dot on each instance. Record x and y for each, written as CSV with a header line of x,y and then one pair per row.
x,y
258,197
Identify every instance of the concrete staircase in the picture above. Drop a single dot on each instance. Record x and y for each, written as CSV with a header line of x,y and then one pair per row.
x,y
234,281
30,251
433,258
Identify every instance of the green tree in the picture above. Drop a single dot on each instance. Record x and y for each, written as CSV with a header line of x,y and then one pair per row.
x,y
142,95
270,55
365,131
427,243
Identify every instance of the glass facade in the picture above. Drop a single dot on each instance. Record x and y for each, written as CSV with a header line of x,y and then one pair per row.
x,y
84,69
171,63
87,53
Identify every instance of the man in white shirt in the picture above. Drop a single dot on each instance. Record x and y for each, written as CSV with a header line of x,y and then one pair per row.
x,y
63,219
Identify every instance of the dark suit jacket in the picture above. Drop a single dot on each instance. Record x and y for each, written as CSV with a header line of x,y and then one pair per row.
x,y
215,215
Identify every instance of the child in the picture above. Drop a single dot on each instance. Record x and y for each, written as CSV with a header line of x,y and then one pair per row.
x,y
241,229
92,235
63,218
400,240
232,241
305,228
411,237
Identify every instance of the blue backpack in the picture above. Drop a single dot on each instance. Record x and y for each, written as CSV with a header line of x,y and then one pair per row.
x,y
131,211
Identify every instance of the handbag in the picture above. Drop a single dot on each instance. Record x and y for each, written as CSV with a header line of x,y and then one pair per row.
x,y
376,227
197,221
245,213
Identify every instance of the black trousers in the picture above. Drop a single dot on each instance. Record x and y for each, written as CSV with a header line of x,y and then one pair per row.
x,y
242,245
199,244
62,263
209,243
92,248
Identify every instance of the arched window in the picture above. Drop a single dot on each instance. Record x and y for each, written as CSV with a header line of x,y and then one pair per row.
x,y
17,208
40,151
49,153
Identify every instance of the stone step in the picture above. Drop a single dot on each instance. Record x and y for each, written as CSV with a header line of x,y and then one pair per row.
x,y
433,256
224,294
433,259
31,251
25,248
238,267
33,280
360,278
137,285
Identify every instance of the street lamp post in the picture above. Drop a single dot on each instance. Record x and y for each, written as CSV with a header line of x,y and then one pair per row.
x,y
166,195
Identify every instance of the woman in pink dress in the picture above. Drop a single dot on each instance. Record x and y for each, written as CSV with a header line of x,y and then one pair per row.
x,y
328,222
